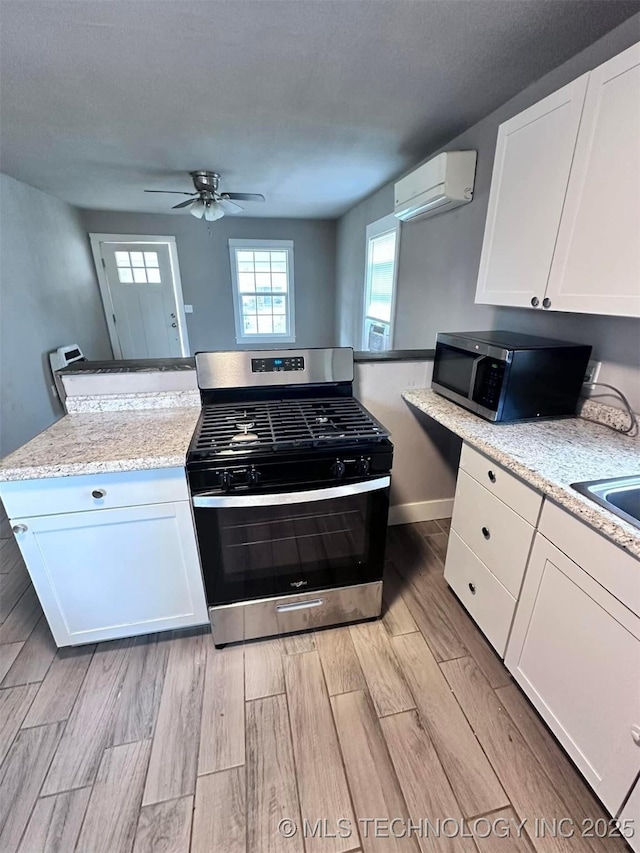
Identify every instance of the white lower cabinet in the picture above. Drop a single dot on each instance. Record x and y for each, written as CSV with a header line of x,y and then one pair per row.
x,y
575,651
108,573
630,819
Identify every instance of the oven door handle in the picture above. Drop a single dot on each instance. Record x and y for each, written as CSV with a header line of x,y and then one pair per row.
x,y
278,499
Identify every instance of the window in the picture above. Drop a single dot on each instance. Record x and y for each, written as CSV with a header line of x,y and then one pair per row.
x,y
380,283
262,277
138,267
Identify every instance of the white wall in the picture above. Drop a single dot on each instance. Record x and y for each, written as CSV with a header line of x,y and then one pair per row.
x,y
48,298
426,455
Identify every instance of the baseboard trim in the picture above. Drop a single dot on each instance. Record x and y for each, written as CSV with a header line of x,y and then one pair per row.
x,y
421,511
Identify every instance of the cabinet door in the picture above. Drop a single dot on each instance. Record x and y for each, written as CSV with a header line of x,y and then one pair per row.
x,y
596,267
575,651
530,176
631,814
115,572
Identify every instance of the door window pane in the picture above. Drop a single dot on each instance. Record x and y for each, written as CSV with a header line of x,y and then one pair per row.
x,y
153,276
122,259
125,275
151,259
137,259
139,276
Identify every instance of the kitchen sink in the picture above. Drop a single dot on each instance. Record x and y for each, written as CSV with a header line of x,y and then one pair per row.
x,y
620,495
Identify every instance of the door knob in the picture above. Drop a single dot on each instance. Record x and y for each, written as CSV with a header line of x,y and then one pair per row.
x,y
19,528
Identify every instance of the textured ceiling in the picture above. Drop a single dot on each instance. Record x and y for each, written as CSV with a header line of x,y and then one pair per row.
x,y
314,103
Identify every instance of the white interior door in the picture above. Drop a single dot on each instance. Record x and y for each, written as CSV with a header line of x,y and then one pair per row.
x,y
142,298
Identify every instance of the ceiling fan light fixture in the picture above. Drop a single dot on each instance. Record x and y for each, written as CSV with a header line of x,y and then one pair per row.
x,y
213,210
197,209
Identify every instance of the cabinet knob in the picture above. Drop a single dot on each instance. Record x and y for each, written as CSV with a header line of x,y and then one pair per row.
x,y
491,476
472,587
174,325
635,734
98,493
546,302
535,301
486,533
19,528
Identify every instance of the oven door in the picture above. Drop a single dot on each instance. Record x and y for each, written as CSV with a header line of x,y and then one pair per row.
x,y
255,546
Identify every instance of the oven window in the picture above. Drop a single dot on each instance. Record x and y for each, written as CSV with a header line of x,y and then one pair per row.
x,y
452,368
260,551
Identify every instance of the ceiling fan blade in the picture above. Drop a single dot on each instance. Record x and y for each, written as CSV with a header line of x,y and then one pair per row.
x,y
244,196
173,192
184,203
229,206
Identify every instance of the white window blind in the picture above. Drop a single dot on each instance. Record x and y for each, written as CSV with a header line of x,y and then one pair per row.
x,y
382,255
380,283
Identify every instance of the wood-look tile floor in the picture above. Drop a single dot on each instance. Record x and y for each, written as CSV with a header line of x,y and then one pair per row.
x,y
165,744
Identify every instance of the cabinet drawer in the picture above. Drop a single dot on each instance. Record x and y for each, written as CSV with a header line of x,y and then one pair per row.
x,y
488,602
517,495
58,495
494,532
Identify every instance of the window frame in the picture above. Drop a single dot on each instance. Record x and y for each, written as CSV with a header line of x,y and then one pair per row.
x,y
376,229
236,245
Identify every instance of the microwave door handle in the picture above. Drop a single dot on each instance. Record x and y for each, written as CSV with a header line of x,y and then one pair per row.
x,y
280,498
474,371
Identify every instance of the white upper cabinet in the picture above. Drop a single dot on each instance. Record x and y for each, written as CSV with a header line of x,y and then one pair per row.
x,y
596,267
530,176
563,224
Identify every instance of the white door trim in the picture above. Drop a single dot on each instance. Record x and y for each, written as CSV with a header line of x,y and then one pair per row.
x,y
105,293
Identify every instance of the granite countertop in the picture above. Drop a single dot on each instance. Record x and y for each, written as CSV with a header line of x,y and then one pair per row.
x,y
105,442
549,455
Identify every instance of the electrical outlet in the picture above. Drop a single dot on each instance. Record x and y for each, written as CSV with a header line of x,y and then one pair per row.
x,y
592,371
188,309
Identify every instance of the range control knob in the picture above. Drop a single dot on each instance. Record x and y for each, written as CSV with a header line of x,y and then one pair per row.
x,y
254,477
362,467
225,480
338,468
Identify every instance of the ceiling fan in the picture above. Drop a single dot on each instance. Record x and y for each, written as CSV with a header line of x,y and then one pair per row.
x,y
207,201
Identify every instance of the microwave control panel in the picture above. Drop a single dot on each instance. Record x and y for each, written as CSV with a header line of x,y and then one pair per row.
x,y
490,385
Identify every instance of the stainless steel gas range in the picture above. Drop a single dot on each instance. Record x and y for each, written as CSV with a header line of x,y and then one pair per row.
x,y
289,477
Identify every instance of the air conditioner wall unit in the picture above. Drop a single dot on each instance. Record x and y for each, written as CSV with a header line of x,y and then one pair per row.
x,y
440,184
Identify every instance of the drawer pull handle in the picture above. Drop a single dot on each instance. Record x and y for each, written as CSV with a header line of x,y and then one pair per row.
x,y
472,587
492,476
19,528
99,493
486,533
298,605
635,734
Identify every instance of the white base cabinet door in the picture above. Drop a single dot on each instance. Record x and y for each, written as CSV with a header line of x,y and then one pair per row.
x,y
111,573
630,819
575,651
596,266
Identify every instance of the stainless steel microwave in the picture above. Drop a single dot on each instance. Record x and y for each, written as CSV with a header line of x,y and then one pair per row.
x,y
506,376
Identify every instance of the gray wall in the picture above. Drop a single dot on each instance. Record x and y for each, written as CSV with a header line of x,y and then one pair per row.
x,y
439,257
48,297
206,275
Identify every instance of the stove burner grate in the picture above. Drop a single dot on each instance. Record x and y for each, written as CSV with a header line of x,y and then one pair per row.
x,y
280,424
